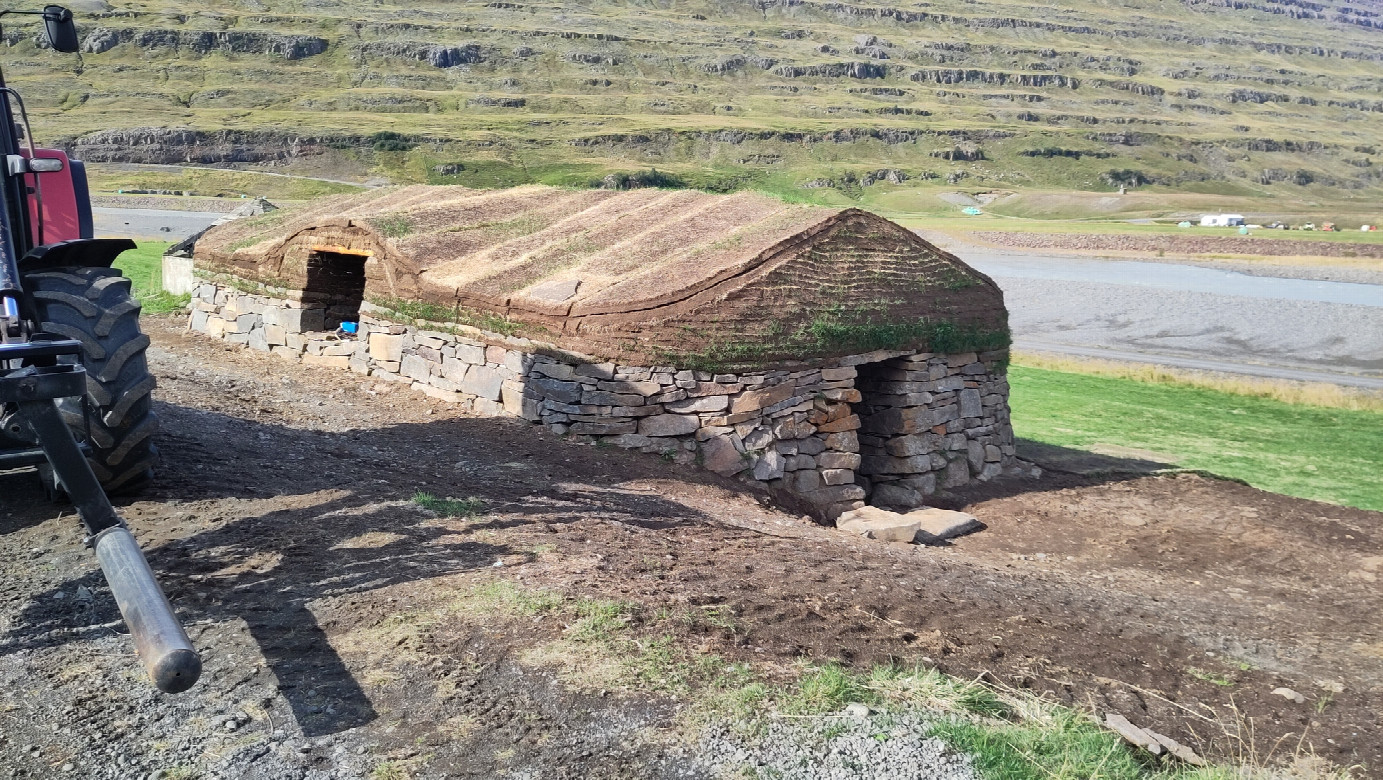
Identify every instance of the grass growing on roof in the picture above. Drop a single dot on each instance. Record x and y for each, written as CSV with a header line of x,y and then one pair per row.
x,y
1323,454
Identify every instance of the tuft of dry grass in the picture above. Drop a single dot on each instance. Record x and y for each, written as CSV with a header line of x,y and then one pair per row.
x,y
1319,394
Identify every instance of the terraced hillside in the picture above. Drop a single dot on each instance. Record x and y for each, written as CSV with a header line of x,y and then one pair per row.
x,y
802,96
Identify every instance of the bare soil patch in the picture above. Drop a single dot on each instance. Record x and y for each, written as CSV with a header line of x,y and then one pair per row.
x,y
282,528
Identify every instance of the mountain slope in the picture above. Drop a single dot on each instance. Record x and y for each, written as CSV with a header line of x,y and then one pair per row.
x,y
1239,96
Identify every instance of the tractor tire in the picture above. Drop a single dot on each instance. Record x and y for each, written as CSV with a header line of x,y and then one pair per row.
x,y
116,417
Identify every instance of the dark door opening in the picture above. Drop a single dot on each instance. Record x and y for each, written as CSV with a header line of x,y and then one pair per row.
x,y
335,284
896,465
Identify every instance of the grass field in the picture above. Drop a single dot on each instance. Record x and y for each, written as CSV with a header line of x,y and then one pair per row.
x,y
1319,453
144,267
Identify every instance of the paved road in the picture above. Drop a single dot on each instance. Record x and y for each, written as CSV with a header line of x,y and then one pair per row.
x,y
1191,317
150,224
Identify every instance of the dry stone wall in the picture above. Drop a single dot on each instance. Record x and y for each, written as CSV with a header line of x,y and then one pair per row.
x,y
895,425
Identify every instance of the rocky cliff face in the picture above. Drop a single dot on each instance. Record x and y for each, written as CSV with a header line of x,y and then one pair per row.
x,y
175,146
289,47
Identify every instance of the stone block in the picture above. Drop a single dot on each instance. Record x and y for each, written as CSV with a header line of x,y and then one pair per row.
x,y
799,461
198,321
707,432
937,525
710,403
275,335
845,441
720,455
974,453
518,404
769,466
441,394
838,460
564,371
257,340
415,368
644,389
517,362
757,439
631,441
487,408
837,476
837,374
960,359
992,453
671,396
606,398
596,370
812,445
384,346
632,411
555,389
957,473
848,423
454,369
885,464
243,323
894,494
328,361
303,320
874,523
483,382
697,389
847,395
753,400
604,428
285,352
922,483
668,425
806,480
970,404
473,354
912,444
339,348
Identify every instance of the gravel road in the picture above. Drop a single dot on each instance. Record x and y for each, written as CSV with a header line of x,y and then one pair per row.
x,y
1193,317
150,224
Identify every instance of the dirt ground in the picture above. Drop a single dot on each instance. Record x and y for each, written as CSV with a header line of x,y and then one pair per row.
x,y
282,528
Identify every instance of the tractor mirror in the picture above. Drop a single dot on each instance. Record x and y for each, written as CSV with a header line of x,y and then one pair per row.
x,y
62,31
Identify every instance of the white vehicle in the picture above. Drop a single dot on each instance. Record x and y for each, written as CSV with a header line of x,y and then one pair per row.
x,y
1222,220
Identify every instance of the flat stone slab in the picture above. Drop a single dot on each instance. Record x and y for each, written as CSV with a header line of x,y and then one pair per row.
x,y
937,525
874,523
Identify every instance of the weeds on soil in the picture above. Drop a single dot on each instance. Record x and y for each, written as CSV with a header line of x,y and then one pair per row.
x,y
449,507
1009,734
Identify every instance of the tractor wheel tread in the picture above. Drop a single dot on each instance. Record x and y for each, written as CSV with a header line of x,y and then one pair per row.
x,y
95,307
79,302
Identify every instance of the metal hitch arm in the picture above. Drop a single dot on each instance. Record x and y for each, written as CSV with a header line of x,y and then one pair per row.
x,y
163,646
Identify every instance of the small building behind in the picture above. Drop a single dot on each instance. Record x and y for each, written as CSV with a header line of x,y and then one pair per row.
x,y
829,353
1222,220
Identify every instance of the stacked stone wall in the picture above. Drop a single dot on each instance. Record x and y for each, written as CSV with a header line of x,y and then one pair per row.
x,y
825,436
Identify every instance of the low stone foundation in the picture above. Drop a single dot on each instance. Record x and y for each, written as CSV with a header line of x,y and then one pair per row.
x,y
888,426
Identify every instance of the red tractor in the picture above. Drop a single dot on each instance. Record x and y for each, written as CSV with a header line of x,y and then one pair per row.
x,y
75,388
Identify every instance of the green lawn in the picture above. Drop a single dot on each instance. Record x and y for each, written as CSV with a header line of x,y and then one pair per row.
x,y
1331,455
144,267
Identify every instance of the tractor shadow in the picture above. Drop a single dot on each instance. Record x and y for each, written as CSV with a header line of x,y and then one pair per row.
x,y
336,523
